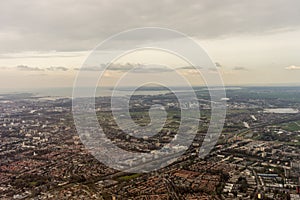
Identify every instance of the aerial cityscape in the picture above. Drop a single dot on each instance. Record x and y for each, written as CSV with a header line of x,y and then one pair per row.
x,y
150,100
256,157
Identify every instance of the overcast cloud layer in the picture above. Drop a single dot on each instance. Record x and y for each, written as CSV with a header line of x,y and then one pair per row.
x,y
252,42
70,25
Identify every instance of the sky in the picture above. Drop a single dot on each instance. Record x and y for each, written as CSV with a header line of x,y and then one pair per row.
x,y
252,42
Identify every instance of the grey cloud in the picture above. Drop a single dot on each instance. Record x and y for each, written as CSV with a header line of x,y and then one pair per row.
x,y
152,69
27,68
218,64
121,67
188,67
70,25
57,68
139,68
111,67
134,67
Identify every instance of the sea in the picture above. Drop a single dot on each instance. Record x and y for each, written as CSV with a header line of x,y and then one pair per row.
x,y
67,92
